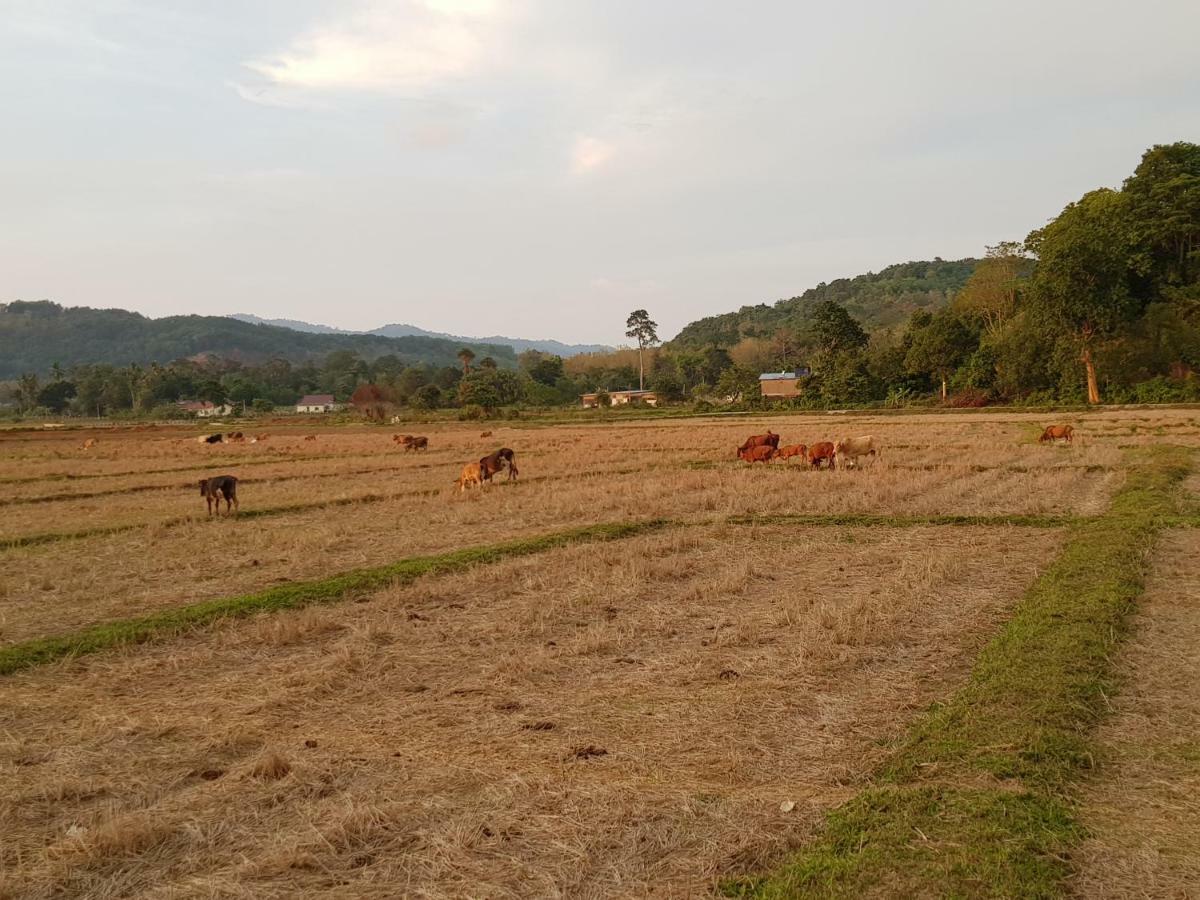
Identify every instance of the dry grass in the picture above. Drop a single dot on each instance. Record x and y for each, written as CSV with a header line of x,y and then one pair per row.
x,y
570,476
1143,807
445,736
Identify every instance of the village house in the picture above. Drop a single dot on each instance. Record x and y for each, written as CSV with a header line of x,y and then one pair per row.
x,y
204,409
781,385
316,403
621,398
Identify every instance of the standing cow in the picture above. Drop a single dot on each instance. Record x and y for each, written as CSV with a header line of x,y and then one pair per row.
x,y
822,452
848,450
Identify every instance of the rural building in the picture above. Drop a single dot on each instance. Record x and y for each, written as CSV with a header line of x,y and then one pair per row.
x,y
316,403
781,385
620,398
204,409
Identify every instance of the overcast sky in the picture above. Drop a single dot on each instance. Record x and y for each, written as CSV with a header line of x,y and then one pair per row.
x,y
538,168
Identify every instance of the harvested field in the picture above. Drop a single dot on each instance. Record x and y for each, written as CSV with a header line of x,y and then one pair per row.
x,y
1143,807
609,718
629,715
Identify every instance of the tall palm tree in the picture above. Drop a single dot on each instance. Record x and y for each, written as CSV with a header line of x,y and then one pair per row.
x,y
467,355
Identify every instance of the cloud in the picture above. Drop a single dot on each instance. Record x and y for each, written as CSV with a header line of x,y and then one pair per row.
x,y
396,47
589,153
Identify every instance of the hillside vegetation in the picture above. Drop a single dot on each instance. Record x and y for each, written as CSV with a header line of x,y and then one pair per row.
x,y
34,336
884,299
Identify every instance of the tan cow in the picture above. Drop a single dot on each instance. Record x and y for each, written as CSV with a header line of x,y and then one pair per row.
x,y
88,444
470,476
1057,433
848,450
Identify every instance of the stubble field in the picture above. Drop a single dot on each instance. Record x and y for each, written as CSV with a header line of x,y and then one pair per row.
x,y
587,718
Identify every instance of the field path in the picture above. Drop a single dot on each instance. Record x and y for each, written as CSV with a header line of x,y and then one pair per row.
x,y
1143,811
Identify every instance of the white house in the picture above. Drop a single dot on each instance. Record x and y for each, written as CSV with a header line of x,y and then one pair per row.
x,y
204,409
316,403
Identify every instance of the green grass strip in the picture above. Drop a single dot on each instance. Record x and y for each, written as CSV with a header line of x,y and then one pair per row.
x,y
292,596
976,800
865,520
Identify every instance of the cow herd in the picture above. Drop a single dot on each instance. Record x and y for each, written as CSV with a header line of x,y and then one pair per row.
x,y
828,454
846,453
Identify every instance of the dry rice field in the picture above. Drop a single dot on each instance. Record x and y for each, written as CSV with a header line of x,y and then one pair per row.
x,y
624,718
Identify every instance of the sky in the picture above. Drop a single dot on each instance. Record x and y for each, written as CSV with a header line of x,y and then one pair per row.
x,y
540,168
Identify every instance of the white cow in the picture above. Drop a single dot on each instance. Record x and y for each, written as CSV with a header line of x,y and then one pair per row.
x,y
847,451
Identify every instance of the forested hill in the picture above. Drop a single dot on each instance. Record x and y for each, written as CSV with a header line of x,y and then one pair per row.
x,y
882,299
36,335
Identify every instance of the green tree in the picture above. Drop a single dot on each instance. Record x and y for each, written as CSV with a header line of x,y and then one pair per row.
x,y
1164,209
56,396
427,396
27,391
488,363
1081,282
835,330
939,347
992,292
639,327
467,356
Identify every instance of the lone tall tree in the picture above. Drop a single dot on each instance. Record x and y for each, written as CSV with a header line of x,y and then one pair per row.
x,y
467,355
641,329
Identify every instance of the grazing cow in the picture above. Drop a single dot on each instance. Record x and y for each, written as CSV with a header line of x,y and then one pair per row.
x,y
235,437
210,439
310,437
762,453
786,453
494,463
470,476
261,437
218,487
485,434
821,451
1057,433
848,450
760,440
416,443
88,444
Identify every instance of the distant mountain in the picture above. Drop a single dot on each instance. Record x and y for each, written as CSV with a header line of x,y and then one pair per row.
x,y
294,324
34,336
558,348
878,300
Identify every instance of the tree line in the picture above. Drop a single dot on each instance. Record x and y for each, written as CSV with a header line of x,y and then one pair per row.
x,y
1101,304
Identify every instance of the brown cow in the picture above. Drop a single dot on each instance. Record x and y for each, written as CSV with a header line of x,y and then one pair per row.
x,y
821,451
416,443
470,475
235,437
485,434
494,463
762,453
760,440
310,437
401,438
218,487
1057,433
786,453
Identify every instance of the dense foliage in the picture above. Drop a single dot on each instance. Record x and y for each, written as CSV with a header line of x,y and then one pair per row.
x,y
876,300
33,335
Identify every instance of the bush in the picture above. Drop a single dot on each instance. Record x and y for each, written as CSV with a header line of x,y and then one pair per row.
x,y
968,398
472,412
